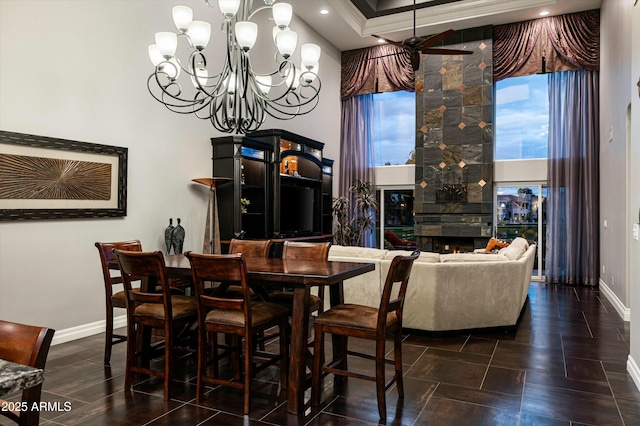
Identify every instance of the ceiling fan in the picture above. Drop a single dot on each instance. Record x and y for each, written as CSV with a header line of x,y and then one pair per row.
x,y
414,45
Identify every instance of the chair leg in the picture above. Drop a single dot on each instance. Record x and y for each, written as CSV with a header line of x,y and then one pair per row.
x,y
318,360
380,378
202,362
108,341
248,370
397,358
132,342
168,361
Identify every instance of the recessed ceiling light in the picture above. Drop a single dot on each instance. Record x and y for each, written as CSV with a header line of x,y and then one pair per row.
x,y
324,12
381,40
544,13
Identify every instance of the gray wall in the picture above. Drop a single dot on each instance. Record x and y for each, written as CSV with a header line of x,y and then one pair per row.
x,y
77,70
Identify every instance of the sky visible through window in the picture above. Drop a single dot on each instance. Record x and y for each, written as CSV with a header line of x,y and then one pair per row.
x,y
522,117
394,127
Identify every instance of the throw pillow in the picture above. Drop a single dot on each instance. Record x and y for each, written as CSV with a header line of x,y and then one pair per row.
x,y
495,243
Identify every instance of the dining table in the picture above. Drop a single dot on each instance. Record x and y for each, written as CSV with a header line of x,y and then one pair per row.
x,y
301,276
15,377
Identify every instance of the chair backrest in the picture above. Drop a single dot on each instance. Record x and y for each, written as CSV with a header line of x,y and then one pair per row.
x,y
305,251
220,267
25,344
250,248
151,269
107,259
399,272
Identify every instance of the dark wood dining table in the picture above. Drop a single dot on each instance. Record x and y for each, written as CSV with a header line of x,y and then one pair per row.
x,y
301,275
15,377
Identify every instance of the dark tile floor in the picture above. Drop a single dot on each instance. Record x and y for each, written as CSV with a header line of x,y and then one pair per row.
x,y
565,364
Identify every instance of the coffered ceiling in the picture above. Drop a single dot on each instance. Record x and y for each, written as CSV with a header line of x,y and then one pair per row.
x,y
351,23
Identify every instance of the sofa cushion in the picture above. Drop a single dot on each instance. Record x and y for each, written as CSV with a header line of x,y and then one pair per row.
x,y
425,256
363,252
473,257
516,249
495,243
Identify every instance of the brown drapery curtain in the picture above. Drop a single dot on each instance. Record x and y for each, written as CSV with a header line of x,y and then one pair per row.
x,y
555,43
383,68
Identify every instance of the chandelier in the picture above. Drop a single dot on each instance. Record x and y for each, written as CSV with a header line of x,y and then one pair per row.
x,y
236,99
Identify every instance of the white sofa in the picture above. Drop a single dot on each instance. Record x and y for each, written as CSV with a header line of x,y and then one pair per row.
x,y
449,291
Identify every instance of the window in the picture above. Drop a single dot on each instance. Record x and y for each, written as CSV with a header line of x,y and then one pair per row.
x,y
394,124
522,117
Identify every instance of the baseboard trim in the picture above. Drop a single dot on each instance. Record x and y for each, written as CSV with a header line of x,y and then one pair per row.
x,y
623,311
633,370
86,330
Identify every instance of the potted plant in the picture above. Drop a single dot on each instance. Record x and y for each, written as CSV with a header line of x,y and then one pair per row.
x,y
244,203
354,215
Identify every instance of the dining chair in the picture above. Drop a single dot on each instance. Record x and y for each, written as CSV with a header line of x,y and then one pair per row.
x,y
249,248
113,299
27,345
242,318
303,251
148,310
366,322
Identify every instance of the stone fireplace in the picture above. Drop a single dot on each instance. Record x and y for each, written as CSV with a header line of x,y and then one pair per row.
x,y
454,146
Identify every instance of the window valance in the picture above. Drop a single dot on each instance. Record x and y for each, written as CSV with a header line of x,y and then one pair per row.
x,y
555,43
383,68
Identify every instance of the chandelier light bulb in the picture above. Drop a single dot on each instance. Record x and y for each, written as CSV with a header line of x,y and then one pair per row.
x,y
201,76
293,78
275,32
264,83
172,69
182,16
167,44
199,33
286,40
246,34
155,55
310,54
282,13
309,75
229,7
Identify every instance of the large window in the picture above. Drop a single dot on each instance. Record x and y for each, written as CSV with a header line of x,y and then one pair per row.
x,y
394,124
522,117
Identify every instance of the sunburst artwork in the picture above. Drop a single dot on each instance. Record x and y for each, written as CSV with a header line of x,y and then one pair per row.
x,y
41,178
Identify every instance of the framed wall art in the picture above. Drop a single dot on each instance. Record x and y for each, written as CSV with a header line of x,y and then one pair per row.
x,y
50,178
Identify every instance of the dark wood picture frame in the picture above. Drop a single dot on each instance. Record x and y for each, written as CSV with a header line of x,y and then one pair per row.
x,y
118,156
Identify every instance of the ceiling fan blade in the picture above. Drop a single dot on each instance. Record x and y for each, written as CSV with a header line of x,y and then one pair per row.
x,y
389,41
434,39
436,51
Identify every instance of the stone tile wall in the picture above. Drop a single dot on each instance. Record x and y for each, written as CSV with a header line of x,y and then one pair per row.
x,y
454,142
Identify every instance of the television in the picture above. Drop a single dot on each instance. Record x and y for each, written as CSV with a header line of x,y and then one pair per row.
x,y
297,207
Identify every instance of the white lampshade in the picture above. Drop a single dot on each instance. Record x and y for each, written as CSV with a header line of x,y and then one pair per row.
x,y
172,69
167,44
286,40
155,55
201,75
310,54
282,13
246,34
182,15
264,83
199,33
308,75
230,83
293,78
229,7
275,32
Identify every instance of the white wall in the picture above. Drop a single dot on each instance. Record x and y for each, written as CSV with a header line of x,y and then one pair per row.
x,y
77,70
